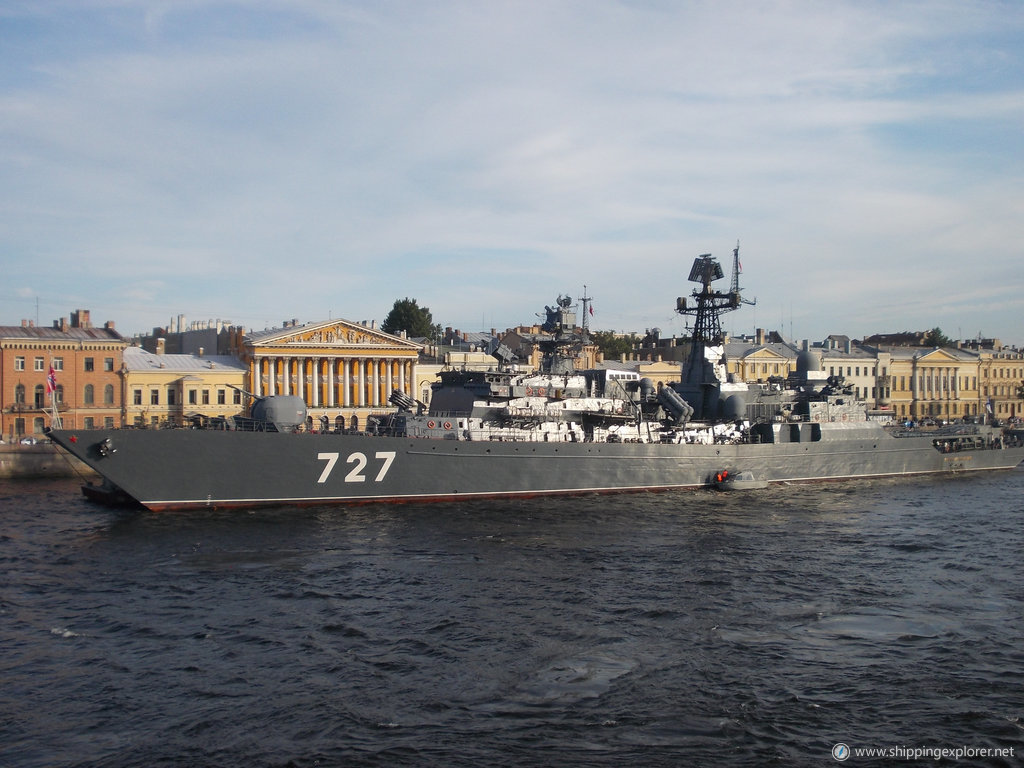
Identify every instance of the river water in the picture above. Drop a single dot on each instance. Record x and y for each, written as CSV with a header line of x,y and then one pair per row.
x,y
673,629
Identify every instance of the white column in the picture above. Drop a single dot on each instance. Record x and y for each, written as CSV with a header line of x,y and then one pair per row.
x,y
257,376
271,376
331,362
315,382
375,397
362,381
300,377
346,383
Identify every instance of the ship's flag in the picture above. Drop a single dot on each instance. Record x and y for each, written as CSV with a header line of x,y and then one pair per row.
x,y
51,381
591,310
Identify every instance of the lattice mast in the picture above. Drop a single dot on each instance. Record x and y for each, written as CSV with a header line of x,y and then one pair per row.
x,y
707,306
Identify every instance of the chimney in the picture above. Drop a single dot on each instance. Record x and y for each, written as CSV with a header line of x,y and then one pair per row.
x,y
201,351
759,336
161,346
109,325
848,346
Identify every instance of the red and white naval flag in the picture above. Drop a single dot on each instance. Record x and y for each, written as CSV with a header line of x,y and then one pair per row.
x,y
51,381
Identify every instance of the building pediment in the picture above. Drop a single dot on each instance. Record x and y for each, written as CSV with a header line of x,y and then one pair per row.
x,y
333,334
940,355
764,354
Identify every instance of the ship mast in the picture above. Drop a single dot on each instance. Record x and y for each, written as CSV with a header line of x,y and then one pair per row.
x,y
586,313
706,306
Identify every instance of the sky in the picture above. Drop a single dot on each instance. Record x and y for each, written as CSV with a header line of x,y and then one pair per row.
x,y
265,160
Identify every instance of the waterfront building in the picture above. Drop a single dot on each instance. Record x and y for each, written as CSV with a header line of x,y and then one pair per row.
x,y
759,357
86,362
344,371
161,390
1001,382
940,384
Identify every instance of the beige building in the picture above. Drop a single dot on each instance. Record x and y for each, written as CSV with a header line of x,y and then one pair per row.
x,y
160,390
344,371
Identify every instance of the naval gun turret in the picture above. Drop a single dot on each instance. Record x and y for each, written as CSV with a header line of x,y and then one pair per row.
x,y
272,413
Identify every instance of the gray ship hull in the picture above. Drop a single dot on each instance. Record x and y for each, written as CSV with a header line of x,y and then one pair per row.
x,y
177,469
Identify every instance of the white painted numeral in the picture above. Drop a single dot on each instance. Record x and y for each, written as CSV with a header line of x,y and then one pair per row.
x,y
358,461
355,475
331,459
388,456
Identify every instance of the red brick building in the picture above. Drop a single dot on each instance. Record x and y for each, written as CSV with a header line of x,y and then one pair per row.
x,y
86,362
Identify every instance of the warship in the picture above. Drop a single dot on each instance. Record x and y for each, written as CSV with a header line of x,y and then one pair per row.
x,y
506,432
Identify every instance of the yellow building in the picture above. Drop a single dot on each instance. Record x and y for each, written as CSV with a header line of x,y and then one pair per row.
x,y
1001,383
344,371
758,359
160,390
941,384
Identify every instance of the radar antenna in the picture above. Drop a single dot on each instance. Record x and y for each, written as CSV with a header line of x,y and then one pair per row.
x,y
707,306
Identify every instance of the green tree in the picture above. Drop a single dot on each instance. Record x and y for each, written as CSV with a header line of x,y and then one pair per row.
x,y
611,344
936,338
406,315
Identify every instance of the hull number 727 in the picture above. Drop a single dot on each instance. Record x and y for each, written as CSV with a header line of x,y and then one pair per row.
x,y
358,462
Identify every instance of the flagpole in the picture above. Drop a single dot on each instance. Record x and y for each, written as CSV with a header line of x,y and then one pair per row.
x,y
51,387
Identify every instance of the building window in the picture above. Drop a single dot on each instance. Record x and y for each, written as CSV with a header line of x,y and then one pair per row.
x,y
88,365
39,366
154,397
108,398
90,422
58,363
172,396
221,397
108,364
88,396
192,399
40,396
206,397
19,363
108,422
237,399
137,396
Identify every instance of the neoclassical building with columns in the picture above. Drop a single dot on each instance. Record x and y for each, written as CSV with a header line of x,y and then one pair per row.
x,y
344,371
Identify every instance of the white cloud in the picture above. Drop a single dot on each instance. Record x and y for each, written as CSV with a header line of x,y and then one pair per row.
x,y
275,159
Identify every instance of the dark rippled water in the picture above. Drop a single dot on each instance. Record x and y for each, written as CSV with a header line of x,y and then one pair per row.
x,y
652,630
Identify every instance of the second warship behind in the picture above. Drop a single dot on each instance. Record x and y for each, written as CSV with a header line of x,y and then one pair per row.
x,y
560,430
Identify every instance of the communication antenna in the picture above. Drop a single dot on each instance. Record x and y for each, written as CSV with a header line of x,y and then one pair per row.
x,y
586,314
